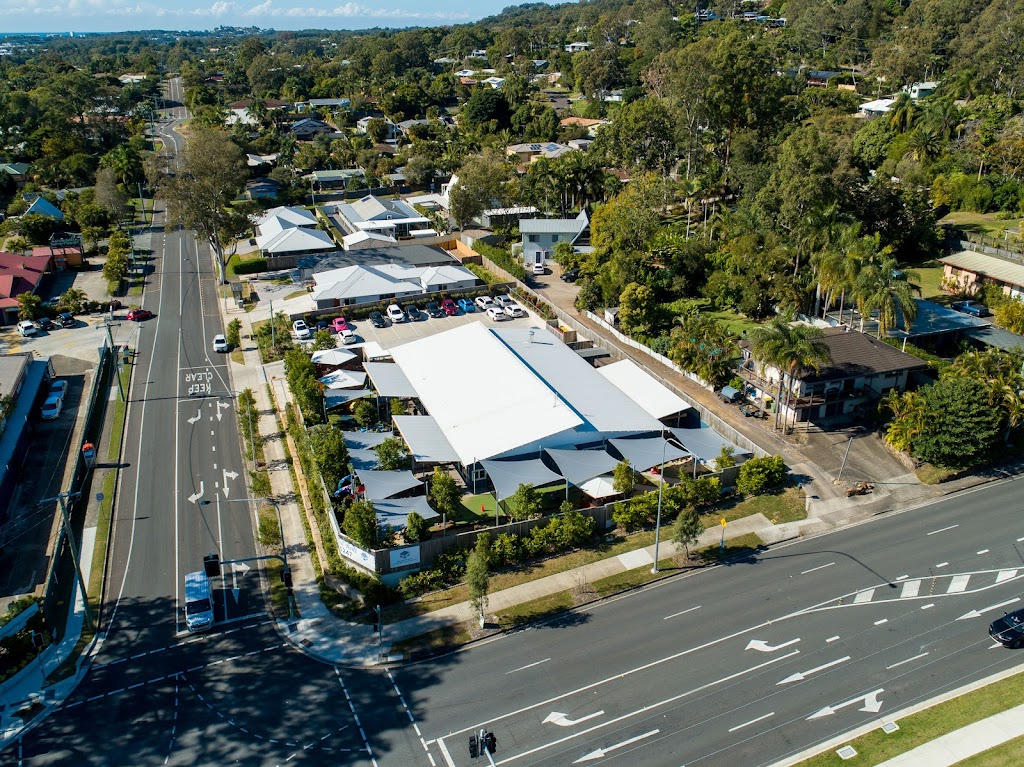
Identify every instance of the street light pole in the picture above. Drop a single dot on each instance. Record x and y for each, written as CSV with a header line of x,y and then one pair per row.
x,y
61,499
661,493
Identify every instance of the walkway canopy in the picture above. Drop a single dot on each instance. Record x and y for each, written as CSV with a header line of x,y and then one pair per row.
x,y
647,452
706,444
426,441
379,485
507,476
389,380
578,466
394,513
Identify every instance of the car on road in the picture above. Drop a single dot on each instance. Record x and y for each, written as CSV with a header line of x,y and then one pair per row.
x,y
45,323
466,306
484,302
301,329
220,343
1008,630
571,275
434,309
395,313
377,320
58,388
970,307
26,328
512,309
138,315
66,320
52,407
496,314
449,307
339,324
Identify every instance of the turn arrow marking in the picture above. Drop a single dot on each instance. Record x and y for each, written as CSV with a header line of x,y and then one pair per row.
x,y
601,752
219,406
799,676
871,704
563,721
198,416
196,496
976,613
761,646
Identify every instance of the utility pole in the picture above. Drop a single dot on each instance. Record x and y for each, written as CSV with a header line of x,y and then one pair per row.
x,y
61,499
113,350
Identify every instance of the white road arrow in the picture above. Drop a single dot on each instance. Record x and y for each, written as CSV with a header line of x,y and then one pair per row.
x,y
799,676
563,721
762,646
871,703
198,416
219,406
976,613
196,496
228,475
236,568
601,752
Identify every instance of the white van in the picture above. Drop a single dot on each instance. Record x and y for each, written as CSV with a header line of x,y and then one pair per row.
x,y
198,602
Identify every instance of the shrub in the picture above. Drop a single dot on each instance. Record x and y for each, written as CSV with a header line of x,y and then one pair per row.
x,y
251,266
501,258
759,474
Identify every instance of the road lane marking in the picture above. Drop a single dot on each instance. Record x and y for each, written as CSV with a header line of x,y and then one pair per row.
x,y
871,704
444,752
684,612
902,578
752,721
863,596
799,676
762,646
879,623
1005,575
983,551
908,660
832,639
928,606
523,668
958,584
910,589
976,613
813,569
557,717
601,752
943,529
942,564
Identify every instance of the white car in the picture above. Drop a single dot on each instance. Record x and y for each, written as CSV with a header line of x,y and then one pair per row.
x,y
301,330
348,337
512,309
395,313
497,314
539,268
484,302
220,343
503,300
27,328
58,388
52,407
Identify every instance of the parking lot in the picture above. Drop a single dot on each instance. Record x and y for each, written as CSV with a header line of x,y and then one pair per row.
x,y
80,342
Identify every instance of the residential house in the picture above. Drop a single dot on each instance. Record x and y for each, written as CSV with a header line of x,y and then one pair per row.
x,y
240,110
577,47
363,284
390,129
284,234
541,235
16,170
922,90
466,73
257,160
361,240
43,207
308,128
495,82
876,108
478,53
968,270
332,104
406,125
19,274
493,217
527,153
394,218
820,78
588,124
862,370
341,178
131,79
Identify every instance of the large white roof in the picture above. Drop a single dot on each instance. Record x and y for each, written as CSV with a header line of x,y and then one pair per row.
x,y
641,387
295,240
488,402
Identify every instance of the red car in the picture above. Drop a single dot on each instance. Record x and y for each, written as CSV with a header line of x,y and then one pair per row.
x,y
138,315
449,307
339,324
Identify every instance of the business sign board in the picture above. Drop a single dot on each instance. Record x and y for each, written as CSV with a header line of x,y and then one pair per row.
x,y
405,556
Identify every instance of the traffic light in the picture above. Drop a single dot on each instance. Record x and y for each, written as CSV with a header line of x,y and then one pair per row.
x,y
491,742
474,746
211,565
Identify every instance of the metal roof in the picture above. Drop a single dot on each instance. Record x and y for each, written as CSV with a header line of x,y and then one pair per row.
x,y
425,440
640,386
389,380
999,269
507,476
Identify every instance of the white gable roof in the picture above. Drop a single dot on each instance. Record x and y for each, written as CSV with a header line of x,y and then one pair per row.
x,y
291,215
641,387
295,240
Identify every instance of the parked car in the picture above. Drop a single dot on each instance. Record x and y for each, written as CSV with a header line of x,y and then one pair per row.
x,y
1008,630
52,407
395,313
66,320
45,323
449,307
138,315
414,313
434,310
377,320
26,328
971,307
466,306
503,300
220,343
571,275
512,309
340,325
348,337
301,329
538,268
496,313
322,325
58,388
484,302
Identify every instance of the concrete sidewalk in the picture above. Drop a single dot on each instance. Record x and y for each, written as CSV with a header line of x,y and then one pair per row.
x,y
965,742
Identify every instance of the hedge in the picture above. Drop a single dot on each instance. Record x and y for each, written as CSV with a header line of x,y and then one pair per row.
x,y
252,266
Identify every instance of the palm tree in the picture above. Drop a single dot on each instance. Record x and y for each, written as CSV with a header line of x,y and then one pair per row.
x,y
789,348
924,143
902,113
884,288
908,418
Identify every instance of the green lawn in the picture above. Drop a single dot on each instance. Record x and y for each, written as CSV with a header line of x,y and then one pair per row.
x,y
1011,752
930,279
987,224
734,322
237,259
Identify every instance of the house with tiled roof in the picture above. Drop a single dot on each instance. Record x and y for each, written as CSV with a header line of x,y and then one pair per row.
x,y
19,274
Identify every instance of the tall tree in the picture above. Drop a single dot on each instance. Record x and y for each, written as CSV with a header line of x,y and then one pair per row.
x,y
789,348
478,578
687,529
211,174
883,288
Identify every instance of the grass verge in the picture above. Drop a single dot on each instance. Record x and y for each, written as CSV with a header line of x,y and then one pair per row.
x,y
916,729
1011,752
930,474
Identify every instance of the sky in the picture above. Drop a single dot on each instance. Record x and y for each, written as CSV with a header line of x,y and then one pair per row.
x,y
126,15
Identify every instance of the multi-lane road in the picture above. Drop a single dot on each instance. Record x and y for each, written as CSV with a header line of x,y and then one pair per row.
x,y
740,664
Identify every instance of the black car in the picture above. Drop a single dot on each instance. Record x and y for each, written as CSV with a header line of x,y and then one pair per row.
x,y
414,313
67,320
571,275
45,323
377,320
1008,630
323,325
434,310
